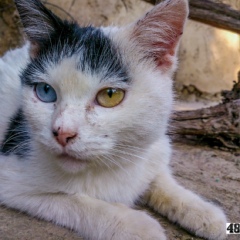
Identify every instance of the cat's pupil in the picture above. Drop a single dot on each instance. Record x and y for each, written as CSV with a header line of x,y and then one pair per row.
x,y
110,92
46,88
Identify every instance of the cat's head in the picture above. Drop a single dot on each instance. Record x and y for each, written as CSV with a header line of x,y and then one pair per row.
x,y
99,95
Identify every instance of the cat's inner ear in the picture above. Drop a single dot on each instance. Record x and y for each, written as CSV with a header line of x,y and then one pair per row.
x,y
157,34
39,23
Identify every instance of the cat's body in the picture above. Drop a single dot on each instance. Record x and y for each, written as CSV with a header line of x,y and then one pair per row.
x,y
67,155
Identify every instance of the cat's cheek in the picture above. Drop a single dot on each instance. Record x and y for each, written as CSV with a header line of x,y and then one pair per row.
x,y
91,117
34,100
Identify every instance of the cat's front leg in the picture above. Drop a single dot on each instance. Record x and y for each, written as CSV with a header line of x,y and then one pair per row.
x,y
91,218
180,205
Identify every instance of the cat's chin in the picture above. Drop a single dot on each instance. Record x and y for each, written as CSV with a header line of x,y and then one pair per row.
x,y
71,164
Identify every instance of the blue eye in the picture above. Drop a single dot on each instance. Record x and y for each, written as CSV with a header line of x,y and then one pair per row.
x,y
45,92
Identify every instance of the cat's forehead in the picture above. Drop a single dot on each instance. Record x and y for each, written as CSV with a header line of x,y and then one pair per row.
x,y
85,51
67,77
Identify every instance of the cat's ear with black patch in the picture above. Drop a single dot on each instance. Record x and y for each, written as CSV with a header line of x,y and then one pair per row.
x,y
157,34
39,23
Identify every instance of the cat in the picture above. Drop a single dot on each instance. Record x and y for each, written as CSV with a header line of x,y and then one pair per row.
x,y
84,114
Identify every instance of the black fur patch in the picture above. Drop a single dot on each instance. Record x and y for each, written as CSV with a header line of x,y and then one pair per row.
x,y
96,53
54,39
17,139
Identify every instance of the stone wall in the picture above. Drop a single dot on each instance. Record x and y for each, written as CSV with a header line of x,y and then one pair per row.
x,y
209,59
100,12
10,36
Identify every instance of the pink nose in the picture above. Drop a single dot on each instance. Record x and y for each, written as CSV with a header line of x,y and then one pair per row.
x,y
64,138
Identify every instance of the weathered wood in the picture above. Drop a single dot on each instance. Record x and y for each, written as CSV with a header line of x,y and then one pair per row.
x,y
215,14
220,123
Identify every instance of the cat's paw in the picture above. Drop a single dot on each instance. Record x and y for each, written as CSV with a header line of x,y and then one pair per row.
x,y
206,220
137,225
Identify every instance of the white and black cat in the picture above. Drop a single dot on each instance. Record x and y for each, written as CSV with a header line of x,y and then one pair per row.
x,y
83,129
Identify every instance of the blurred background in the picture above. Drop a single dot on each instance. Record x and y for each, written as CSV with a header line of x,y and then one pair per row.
x,y
209,57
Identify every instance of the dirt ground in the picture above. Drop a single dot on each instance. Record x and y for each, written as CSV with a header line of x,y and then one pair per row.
x,y
214,174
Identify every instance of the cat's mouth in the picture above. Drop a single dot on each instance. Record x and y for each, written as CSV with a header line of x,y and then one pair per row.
x,y
67,157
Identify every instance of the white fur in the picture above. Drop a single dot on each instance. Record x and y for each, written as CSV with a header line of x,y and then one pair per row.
x,y
120,153
11,65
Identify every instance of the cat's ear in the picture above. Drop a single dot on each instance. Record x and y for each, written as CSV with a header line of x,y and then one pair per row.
x,y
157,34
38,22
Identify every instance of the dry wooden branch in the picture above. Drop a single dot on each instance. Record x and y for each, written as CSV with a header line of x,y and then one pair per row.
x,y
220,124
215,14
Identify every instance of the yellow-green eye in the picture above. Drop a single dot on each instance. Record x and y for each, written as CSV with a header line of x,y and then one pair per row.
x,y
110,97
